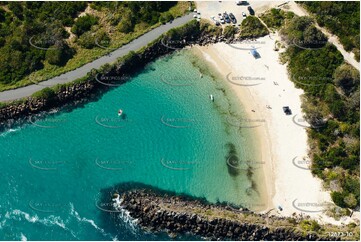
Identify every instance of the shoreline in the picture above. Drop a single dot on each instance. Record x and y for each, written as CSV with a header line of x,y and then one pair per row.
x,y
280,139
247,103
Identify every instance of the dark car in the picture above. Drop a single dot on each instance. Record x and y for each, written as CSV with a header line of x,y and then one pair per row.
x,y
250,10
241,2
226,17
233,18
287,110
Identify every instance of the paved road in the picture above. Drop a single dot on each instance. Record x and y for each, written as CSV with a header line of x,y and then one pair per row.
x,y
82,71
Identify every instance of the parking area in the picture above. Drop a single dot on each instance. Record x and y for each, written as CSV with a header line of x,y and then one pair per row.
x,y
208,9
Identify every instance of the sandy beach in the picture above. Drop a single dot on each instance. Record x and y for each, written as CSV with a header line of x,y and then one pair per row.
x,y
263,88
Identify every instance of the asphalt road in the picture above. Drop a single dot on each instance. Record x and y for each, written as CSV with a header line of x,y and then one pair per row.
x,y
96,64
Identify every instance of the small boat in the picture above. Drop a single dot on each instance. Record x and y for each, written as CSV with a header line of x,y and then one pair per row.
x,y
211,97
120,112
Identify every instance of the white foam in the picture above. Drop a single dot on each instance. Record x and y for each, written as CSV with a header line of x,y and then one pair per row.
x,y
48,221
9,132
124,214
23,237
75,214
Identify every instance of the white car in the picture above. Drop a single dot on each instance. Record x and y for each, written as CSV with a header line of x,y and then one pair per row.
x,y
244,15
215,21
221,19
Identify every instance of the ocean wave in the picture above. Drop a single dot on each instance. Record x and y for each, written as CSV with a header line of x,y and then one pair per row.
x,y
9,131
49,221
76,215
125,214
23,237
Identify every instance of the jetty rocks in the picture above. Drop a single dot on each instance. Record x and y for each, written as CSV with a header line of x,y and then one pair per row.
x,y
159,212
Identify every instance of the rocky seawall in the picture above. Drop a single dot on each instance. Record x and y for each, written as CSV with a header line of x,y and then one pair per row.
x,y
176,215
73,94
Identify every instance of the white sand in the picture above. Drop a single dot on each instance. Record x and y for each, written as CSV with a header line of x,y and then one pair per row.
x,y
281,139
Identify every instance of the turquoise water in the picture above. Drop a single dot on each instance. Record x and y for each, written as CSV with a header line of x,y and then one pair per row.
x,y
171,135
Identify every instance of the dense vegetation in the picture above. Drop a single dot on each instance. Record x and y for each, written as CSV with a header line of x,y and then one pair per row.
x,y
25,25
39,40
275,18
342,18
252,27
331,106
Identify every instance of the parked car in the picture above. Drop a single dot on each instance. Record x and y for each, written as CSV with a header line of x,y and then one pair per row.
x,y
287,110
226,17
250,10
241,3
233,18
221,19
244,15
215,21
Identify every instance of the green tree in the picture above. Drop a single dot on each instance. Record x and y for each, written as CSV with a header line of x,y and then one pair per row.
x,y
347,77
229,31
252,27
59,54
126,25
83,24
350,201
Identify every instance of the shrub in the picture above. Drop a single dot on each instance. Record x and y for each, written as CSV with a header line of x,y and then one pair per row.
x,y
346,77
59,54
165,17
46,93
251,27
310,225
337,198
126,25
301,32
229,31
84,24
274,18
